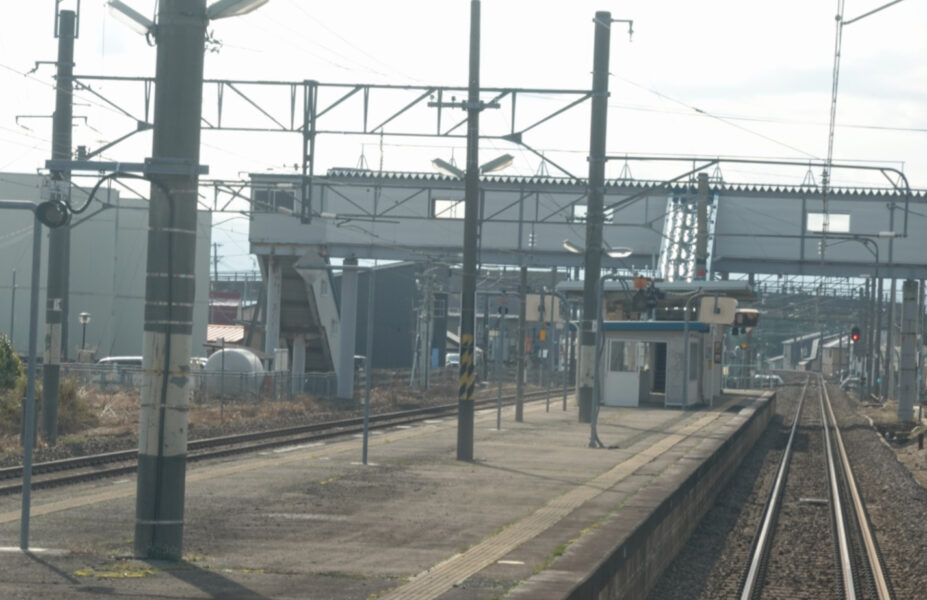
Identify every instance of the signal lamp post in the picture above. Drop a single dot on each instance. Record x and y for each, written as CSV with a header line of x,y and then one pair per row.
x,y
84,321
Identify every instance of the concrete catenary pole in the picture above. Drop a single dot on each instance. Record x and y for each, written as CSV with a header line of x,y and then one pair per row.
x,y
594,210
59,238
888,380
13,309
169,289
468,276
348,331
522,334
273,302
909,387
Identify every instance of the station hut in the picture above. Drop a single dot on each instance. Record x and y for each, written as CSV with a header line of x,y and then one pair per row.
x,y
644,357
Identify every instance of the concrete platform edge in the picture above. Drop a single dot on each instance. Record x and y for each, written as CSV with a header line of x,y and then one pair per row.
x,y
613,562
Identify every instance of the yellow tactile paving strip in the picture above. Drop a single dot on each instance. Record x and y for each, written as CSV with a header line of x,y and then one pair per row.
x,y
442,577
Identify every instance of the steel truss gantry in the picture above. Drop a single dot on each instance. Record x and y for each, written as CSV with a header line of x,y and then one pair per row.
x,y
311,108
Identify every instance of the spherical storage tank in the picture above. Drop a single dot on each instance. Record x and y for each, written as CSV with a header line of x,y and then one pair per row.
x,y
234,360
234,371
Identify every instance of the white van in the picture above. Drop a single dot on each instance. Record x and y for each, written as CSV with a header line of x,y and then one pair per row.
x,y
121,361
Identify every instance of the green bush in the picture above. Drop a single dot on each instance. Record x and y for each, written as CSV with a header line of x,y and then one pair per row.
x,y
11,405
74,414
11,368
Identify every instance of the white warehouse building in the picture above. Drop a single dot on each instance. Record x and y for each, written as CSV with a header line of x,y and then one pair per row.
x,y
107,271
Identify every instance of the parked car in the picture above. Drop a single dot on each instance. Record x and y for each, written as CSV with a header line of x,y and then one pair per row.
x,y
452,359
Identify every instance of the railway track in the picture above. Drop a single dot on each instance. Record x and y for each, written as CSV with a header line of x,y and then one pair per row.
x,y
74,470
792,555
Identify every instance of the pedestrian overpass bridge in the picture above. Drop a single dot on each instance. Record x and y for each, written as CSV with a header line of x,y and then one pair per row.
x,y
760,229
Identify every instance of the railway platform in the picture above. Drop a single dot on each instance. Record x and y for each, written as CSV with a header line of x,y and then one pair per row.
x,y
538,514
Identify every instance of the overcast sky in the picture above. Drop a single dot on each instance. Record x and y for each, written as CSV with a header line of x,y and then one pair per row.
x,y
711,78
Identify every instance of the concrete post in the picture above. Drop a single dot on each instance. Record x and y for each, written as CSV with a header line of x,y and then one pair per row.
x,y
169,289
888,381
520,372
594,209
484,364
909,386
298,372
59,239
348,314
274,293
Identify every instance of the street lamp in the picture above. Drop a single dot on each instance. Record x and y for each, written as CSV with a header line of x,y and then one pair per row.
x,y
84,318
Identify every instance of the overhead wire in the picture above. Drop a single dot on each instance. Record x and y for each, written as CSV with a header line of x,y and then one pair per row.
x,y
716,117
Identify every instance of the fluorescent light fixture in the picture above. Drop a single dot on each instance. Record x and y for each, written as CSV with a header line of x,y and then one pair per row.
x,y
448,169
232,8
609,252
497,164
571,247
136,21
887,234
618,252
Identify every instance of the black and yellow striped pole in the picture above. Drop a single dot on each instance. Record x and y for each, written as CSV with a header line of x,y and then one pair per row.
x,y
468,283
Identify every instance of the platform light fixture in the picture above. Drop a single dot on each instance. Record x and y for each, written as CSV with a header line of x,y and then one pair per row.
x,y
136,21
572,248
607,251
448,168
217,10
232,8
496,164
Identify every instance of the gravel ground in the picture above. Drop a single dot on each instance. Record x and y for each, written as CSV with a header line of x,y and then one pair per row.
x,y
712,563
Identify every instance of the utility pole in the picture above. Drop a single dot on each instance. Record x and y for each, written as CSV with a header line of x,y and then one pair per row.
x,y
594,211
59,239
468,276
215,263
169,290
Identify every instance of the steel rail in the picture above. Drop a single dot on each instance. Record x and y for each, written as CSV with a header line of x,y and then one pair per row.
x,y
232,444
836,503
764,536
879,578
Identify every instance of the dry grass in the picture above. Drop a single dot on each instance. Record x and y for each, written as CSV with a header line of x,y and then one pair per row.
x,y
885,418
113,415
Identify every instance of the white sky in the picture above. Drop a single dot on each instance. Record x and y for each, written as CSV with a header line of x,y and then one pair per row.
x,y
762,71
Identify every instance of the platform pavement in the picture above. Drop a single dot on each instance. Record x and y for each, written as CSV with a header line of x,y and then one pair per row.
x,y
310,522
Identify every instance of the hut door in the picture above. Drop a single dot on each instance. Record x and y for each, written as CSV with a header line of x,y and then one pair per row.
x,y
659,369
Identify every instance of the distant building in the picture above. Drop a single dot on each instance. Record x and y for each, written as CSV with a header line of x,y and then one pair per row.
x,y
109,250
